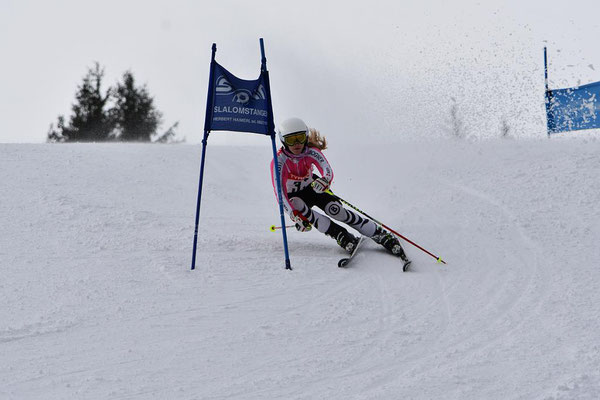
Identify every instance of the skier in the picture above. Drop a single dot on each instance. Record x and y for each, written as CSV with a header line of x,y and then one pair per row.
x,y
302,190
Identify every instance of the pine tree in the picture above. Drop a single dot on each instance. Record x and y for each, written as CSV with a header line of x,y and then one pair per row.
x,y
132,117
134,112
90,121
170,135
57,135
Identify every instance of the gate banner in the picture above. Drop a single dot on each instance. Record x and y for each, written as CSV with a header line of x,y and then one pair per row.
x,y
573,108
236,104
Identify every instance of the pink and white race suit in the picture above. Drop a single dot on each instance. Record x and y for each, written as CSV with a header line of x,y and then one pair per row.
x,y
296,174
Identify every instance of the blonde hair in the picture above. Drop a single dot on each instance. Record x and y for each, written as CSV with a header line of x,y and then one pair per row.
x,y
316,140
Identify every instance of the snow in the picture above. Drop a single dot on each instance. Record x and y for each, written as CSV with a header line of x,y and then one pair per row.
x,y
98,301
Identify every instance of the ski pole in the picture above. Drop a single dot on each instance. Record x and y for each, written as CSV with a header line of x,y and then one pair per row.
x,y
439,259
273,228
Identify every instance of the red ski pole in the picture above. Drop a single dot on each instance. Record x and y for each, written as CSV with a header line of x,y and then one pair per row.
x,y
439,259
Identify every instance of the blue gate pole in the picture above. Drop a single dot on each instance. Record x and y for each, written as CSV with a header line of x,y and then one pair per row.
x,y
271,129
288,264
207,123
546,68
549,121
204,143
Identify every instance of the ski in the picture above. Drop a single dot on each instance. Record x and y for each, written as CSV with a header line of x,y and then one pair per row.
x,y
406,265
344,261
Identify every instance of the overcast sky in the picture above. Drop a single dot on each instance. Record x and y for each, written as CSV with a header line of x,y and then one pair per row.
x,y
377,69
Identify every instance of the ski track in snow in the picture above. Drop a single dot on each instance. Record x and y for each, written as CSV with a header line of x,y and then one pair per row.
x,y
441,343
104,304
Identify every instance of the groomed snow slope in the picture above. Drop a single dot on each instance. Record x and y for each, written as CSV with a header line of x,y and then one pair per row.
x,y
98,301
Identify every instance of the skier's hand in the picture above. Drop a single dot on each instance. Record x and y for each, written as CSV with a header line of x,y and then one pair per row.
x,y
303,226
302,223
320,185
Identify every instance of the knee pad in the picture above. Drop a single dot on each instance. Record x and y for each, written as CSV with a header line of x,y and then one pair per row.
x,y
333,208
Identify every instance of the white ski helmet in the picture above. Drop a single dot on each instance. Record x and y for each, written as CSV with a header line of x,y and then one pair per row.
x,y
291,126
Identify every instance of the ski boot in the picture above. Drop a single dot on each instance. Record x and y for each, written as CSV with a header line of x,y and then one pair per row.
x,y
390,242
346,240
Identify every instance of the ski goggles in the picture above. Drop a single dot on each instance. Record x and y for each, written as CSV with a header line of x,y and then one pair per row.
x,y
295,138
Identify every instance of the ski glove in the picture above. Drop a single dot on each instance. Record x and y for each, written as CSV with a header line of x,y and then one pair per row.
x,y
320,185
302,223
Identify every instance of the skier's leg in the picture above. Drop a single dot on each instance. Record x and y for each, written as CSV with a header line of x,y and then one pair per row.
x,y
334,209
318,220
325,225
365,226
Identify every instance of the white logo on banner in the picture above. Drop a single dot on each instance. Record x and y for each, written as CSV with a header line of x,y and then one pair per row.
x,y
241,96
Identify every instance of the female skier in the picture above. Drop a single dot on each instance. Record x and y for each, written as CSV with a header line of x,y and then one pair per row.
x,y
302,190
